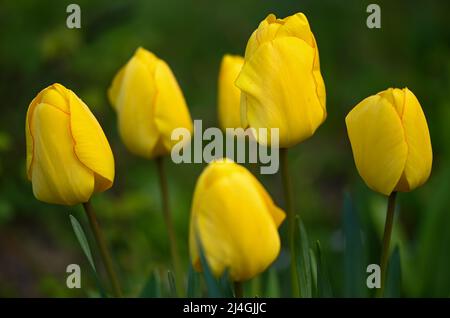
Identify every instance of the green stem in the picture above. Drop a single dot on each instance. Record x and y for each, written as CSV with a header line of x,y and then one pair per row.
x,y
104,253
288,196
386,240
238,290
169,223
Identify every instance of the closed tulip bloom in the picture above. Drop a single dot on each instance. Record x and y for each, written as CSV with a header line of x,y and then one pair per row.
x,y
149,105
280,82
229,95
68,155
235,220
390,141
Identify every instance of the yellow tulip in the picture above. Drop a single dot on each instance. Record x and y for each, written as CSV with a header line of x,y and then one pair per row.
x,y
235,220
229,104
280,82
68,155
390,141
149,105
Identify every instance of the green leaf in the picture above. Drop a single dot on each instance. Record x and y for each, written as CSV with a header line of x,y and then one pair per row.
x,y
172,285
217,288
313,260
273,289
255,286
225,284
303,261
432,233
79,233
193,284
354,258
323,282
152,287
394,275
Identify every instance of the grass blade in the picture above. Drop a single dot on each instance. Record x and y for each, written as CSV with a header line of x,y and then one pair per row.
x,y
172,285
152,287
273,289
225,285
81,237
394,276
79,233
323,282
313,260
193,283
303,261
354,258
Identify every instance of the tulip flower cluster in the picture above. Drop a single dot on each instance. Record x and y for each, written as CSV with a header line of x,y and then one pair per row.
x,y
234,220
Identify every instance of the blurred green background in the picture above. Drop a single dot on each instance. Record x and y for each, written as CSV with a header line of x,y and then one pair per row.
x,y
37,49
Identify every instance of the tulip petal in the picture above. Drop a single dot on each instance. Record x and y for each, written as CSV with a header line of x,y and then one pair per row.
x,y
54,95
57,96
252,45
278,215
318,80
170,109
58,176
396,97
297,26
267,31
243,112
91,146
29,136
270,28
378,143
420,156
115,89
229,95
280,90
135,108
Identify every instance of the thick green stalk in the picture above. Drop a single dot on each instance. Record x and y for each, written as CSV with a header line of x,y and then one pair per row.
x,y
288,196
104,253
169,224
387,240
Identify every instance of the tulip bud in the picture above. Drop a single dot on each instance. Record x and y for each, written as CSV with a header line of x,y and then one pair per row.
x,y
280,82
235,221
149,105
229,95
390,141
68,155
